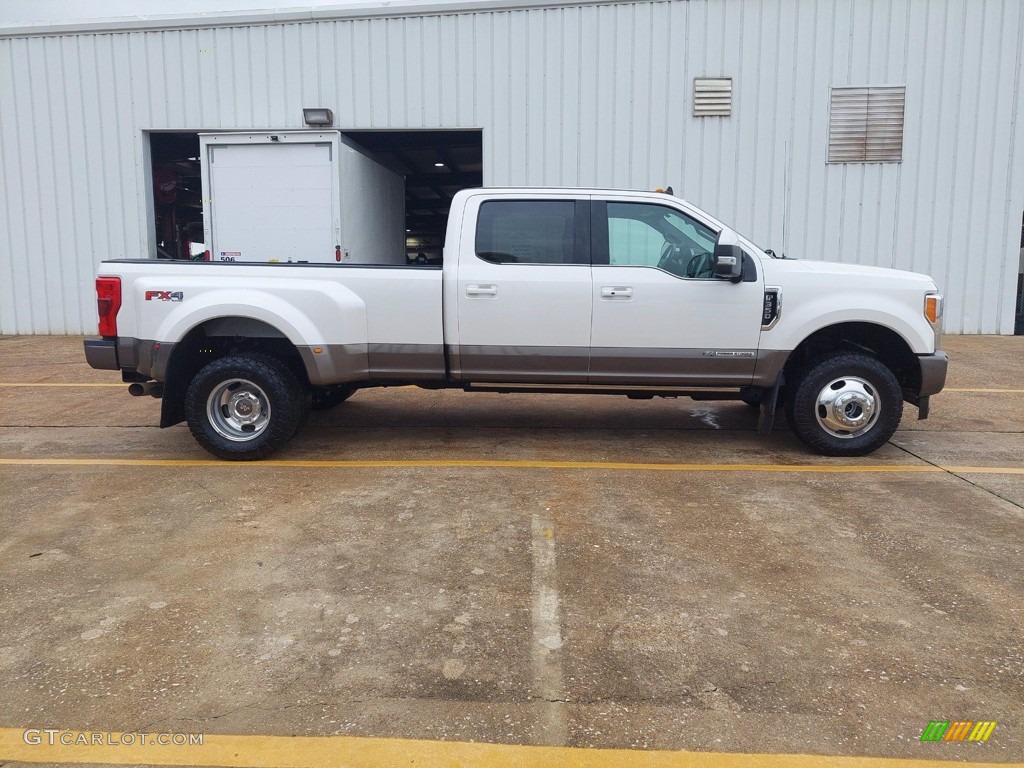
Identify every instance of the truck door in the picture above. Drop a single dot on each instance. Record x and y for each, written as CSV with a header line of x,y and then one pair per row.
x,y
660,317
524,286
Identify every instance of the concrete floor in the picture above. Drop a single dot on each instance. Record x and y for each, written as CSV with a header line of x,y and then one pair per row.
x,y
822,612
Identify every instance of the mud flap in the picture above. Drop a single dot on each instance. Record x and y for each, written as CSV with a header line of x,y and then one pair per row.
x,y
923,406
768,405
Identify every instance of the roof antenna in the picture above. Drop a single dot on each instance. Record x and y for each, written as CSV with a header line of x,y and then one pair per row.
x,y
668,191
785,201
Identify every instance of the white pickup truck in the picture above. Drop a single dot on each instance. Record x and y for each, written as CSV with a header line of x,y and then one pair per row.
x,y
541,290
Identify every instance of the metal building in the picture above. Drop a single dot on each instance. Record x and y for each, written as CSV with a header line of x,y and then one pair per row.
x,y
882,132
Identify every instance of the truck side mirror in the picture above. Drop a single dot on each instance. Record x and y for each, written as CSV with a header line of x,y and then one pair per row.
x,y
728,262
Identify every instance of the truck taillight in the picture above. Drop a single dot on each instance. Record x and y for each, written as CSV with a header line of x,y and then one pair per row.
x,y
108,302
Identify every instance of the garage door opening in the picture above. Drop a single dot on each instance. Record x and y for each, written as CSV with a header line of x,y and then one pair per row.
x,y
1018,319
436,165
177,195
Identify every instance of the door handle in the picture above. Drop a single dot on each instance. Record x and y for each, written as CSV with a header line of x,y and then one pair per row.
x,y
481,290
616,292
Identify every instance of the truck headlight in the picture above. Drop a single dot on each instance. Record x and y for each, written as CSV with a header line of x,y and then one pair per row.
x,y
933,307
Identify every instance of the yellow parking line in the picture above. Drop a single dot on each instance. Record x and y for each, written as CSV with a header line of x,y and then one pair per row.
x,y
355,752
518,464
979,389
984,470
54,384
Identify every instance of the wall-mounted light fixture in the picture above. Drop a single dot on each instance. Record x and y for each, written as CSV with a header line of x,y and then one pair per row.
x,y
318,116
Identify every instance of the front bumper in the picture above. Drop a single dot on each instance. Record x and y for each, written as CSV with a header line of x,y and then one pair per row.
x,y
933,373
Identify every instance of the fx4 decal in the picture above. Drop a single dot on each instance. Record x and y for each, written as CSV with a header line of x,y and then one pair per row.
x,y
164,295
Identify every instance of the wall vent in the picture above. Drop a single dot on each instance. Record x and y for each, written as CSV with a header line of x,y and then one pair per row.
x,y
865,124
712,96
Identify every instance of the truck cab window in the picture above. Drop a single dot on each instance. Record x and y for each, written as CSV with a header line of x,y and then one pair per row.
x,y
526,232
645,235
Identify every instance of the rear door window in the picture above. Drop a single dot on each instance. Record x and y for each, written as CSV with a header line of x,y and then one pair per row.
x,y
528,232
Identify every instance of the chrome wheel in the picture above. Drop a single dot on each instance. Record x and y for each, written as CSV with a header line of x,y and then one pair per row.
x,y
848,407
238,410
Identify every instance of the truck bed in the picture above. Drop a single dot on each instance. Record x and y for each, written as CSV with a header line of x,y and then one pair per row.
x,y
348,322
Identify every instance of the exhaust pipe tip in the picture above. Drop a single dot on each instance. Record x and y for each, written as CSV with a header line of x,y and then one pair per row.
x,y
151,388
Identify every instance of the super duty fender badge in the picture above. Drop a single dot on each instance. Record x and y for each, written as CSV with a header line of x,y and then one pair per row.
x,y
725,353
165,295
772,309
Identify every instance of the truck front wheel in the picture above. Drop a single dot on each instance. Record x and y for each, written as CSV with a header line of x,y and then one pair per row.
x,y
244,407
845,404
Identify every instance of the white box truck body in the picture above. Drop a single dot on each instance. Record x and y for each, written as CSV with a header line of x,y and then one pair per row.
x,y
299,196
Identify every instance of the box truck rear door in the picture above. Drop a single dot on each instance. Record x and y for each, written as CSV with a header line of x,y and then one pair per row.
x,y
271,197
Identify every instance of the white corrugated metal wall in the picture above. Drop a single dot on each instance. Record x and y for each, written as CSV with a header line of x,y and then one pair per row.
x,y
566,94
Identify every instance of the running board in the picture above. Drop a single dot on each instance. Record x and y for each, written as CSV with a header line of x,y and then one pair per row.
x,y
699,393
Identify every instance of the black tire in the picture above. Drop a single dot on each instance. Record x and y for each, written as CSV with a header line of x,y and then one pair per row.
x,y
325,398
845,404
258,395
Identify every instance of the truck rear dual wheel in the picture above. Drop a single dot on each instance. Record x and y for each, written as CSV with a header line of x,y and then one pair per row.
x,y
845,404
244,407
